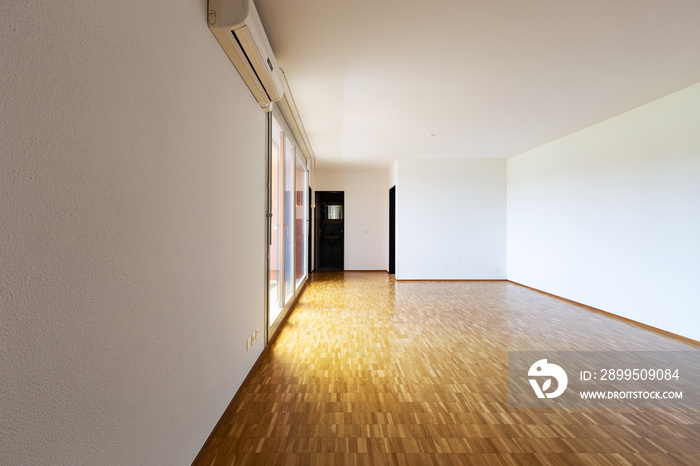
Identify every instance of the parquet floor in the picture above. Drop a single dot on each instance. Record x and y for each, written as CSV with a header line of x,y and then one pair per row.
x,y
369,371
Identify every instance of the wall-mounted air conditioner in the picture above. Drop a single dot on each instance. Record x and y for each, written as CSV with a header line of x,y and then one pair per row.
x,y
237,27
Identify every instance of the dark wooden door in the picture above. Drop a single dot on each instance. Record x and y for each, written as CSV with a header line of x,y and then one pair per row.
x,y
392,230
330,230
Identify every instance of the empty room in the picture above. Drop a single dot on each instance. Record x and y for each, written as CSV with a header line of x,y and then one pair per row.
x,y
302,232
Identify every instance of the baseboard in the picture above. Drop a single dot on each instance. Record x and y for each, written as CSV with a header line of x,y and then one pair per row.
x,y
366,271
648,327
451,280
352,270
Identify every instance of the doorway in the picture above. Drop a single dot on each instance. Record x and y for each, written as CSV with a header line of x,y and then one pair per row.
x,y
310,232
392,230
330,230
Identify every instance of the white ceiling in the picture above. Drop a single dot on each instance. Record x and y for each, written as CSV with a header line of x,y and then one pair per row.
x,y
373,79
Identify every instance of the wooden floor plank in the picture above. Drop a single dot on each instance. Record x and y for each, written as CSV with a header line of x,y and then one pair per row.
x,y
372,371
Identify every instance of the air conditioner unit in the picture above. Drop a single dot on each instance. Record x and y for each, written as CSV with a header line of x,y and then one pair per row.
x,y
237,27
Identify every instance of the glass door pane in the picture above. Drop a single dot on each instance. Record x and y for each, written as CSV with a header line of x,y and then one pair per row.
x,y
275,286
300,224
289,159
289,206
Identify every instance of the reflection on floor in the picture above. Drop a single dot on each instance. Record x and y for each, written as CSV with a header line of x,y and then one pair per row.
x,y
372,371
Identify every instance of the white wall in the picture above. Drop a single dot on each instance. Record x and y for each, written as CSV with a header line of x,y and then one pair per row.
x,y
366,216
131,231
394,174
610,216
451,219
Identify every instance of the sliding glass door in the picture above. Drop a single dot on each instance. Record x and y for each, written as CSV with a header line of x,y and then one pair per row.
x,y
275,288
288,213
301,223
289,150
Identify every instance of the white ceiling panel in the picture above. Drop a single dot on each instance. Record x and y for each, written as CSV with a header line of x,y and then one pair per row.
x,y
373,80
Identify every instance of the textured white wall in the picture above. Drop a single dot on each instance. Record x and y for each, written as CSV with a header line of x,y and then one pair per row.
x,y
131,231
610,216
451,219
366,216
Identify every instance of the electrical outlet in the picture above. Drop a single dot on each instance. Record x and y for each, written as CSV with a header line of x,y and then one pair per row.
x,y
496,270
250,341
